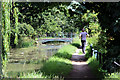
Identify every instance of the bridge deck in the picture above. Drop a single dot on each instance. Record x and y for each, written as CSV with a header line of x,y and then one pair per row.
x,y
55,39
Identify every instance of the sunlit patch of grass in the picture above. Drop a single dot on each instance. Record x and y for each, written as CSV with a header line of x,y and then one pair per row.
x,y
33,75
66,51
56,66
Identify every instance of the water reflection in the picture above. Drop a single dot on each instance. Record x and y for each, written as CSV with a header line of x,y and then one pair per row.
x,y
29,59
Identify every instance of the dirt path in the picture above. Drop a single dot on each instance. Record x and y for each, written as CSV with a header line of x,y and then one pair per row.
x,y
80,71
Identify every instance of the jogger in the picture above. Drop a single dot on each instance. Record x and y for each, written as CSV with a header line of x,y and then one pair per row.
x,y
83,45
83,39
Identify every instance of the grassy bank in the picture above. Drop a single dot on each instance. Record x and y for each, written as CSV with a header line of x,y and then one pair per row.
x,y
100,73
94,64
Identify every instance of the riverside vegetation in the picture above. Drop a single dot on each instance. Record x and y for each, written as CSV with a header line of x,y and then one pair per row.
x,y
57,66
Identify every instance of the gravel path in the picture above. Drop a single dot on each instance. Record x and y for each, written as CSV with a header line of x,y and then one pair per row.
x,y
80,71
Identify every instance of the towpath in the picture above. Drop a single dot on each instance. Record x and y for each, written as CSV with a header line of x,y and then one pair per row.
x,y
81,70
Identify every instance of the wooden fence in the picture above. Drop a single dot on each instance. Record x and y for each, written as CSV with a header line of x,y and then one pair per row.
x,y
101,58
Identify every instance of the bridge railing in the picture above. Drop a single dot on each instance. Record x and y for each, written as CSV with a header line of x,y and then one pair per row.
x,y
60,35
101,58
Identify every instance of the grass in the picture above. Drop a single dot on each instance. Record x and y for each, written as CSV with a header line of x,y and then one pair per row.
x,y
59,64
56,66
115,75
94,65
33,75
66,51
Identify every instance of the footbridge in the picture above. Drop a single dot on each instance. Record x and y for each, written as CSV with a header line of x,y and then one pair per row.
x,y
56,39
61,37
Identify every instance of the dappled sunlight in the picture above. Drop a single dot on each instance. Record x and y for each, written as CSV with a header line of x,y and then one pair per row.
x,y
80,67
79,63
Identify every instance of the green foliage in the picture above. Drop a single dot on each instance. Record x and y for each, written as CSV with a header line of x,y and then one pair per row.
x,y
26,30
88,51
16,25
91,22
54,20
25,42
6,26
110,25
102,38
113,75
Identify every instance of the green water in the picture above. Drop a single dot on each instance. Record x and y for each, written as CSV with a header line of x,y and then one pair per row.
x,y
24,60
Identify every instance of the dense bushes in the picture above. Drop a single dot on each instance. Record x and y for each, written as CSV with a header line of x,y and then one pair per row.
x,y
26,30
25,42
26,35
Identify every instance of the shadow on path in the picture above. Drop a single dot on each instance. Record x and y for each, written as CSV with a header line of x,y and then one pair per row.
x,y
77,45
80,71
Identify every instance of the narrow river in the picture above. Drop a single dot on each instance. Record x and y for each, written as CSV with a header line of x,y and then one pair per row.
x,y
29,59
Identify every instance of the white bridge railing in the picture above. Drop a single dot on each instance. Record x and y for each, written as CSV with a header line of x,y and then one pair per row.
x,y
60,35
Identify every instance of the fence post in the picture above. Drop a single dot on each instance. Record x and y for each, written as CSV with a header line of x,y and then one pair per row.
x,y
91,50
103,57
100,58
95,53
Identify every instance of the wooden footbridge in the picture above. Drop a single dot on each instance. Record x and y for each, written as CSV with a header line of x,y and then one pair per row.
x,y
67,37
56,39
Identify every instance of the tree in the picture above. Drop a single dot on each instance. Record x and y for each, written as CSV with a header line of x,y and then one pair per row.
x,y
110,24
0,43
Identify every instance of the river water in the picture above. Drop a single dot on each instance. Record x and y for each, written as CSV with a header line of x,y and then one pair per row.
x,y
29,59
